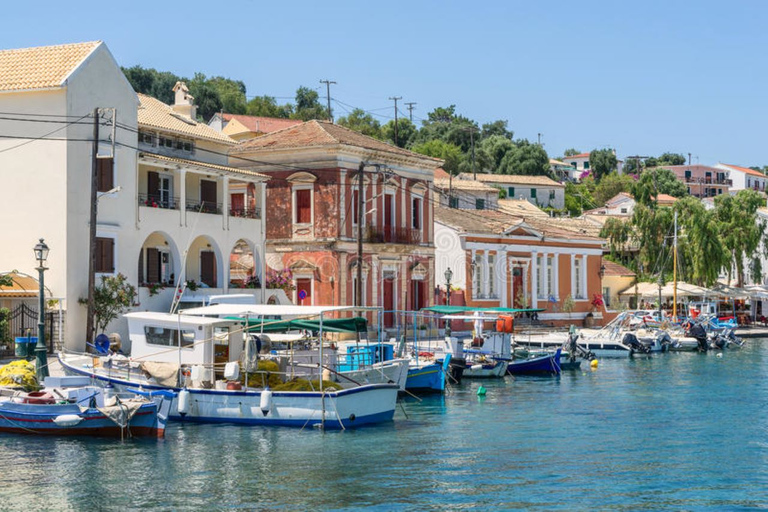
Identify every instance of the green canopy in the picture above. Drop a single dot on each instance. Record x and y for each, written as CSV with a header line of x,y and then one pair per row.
x,y
345,325
452,310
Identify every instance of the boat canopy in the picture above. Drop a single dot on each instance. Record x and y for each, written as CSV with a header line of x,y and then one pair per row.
x,y
343,325
453,310
256,310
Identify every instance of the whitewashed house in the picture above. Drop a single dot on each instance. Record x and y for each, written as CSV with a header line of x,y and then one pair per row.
x,y
539,190
744,177
171,207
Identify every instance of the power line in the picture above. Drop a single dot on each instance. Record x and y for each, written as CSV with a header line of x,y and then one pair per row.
x,y
42,137
410,109
328,96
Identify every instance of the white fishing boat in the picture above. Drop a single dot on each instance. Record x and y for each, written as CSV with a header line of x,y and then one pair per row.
x,y
200,359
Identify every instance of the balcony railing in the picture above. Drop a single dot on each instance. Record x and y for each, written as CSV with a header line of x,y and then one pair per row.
x,y
195,205
392,235
708,181
158,201
246,213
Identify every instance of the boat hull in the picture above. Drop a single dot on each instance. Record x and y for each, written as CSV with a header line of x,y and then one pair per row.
x,y
548,364
494,370
346,408
427,378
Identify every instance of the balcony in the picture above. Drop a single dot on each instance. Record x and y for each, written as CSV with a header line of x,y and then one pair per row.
x,y
245,213
392,235
159,201
707,181
195,205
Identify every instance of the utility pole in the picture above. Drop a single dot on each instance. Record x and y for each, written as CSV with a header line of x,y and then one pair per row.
x,y
410,110
92,232
472,140
360,203
395,98
689,159
328,95
539,138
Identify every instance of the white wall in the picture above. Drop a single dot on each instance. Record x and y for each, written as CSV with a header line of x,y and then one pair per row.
x,y
449,253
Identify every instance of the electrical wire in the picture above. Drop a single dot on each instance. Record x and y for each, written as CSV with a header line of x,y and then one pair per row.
x,y
42,137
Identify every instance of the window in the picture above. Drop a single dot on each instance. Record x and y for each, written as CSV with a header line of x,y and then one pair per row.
x,y
541,293
105,255
479,204
579,278
303,206
147,138
533,193
355,206
586,165
477,276
416,213
623,210
354,288
687,175
158,266
607,296
551,195
511,192
453,202
491,276
550,277
168,337
105,174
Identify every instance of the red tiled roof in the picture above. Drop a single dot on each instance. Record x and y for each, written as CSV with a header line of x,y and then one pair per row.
x,y
580,155
746,170
323,133
616,270
440,173
258,124
665,198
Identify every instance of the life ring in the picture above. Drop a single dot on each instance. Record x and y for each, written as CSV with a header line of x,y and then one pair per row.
x,y
426,354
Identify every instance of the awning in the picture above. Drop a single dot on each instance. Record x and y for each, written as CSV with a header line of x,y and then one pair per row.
x,y
344,325
22,286
452,310
274,310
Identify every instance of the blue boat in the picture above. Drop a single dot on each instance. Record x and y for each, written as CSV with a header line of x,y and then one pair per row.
x,y
546,364
427,377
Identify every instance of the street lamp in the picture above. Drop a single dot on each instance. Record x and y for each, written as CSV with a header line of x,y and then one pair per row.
x,y
448,276
601,272
41,357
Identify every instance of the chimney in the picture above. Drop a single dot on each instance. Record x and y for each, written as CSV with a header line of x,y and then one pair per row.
x,y
184,103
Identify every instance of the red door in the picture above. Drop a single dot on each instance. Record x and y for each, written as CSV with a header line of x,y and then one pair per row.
x,y
417,289
238,204
389,301
304,292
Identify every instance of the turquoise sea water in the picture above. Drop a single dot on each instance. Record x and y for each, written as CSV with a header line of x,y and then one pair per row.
x,y
670,432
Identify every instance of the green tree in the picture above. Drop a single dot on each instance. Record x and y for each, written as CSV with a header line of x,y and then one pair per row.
x,y
571,152
578,197
406,132
702,255
6,280
602,162
158,84
671,159
740,231
443,150
308,105
111,299
611,185
231,94
360,121
266,106
527,158
619,234
206,97
491,151
496,129
657,181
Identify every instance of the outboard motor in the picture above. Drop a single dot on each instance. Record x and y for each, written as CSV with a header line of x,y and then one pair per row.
x,y
665,341
635,346
698,332
575,350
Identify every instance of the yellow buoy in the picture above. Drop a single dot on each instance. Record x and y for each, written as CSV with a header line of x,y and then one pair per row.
x,y
593,363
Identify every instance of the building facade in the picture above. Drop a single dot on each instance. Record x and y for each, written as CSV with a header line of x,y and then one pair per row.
x,y
744,177
702,180
538,190
314,203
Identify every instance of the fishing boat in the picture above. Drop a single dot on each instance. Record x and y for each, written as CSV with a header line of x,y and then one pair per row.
x,y
484,365
69,406
199,359
536,364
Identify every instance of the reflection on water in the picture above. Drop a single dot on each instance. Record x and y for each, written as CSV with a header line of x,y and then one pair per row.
x,y
673,431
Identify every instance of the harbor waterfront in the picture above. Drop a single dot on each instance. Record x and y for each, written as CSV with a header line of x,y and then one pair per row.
x,y
668,431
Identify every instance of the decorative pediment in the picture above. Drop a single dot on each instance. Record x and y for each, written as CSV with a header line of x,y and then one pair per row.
x,y
302,265
302,177
418,271
522,229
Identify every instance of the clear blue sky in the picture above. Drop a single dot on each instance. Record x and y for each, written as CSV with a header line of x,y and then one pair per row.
x,y
644,77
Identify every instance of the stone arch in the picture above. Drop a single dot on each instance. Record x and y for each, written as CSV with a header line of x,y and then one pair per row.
x,y
244,263
159,261
200,268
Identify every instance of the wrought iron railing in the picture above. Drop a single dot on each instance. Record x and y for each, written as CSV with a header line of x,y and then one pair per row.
x,y
195,205
246,213
158,201
387,234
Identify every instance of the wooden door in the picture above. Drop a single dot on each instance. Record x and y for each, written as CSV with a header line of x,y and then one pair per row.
x,y
208,195
153,265
208,268
389,209
389,301
238,204
417,290
153,187
304,292
517,287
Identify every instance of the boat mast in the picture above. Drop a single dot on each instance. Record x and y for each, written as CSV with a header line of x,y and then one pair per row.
x,y
674,275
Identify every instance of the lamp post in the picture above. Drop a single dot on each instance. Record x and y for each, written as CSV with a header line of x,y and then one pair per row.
x,y
41,357
448,276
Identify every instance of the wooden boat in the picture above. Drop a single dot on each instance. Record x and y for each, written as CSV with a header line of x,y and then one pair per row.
x,y
536,364
70,408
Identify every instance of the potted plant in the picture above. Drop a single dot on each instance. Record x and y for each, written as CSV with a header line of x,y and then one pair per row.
x,y
568,305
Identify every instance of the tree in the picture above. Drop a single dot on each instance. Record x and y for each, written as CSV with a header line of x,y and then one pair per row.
x,y
527,158
619,233
439,149
496,129
406,132
611,185
491,151
602,162
158,84
6,280
308,105
266,106
671,159
740,231
111,299
578,197
571,152
362,122
657,181
231,93
703,255
206,97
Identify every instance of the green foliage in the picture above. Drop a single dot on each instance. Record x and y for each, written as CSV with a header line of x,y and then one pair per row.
x,y
602,162
360,121
206,96
702,255
308,105
657,181
6,280
443,150
571,152
4,323
111,299
666,159
740,232
266,106
491,151
231,94
496,129
578,197
612,184
406,131
527,158
619,233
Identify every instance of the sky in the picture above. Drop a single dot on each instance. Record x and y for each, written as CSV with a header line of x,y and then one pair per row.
x,y
641,77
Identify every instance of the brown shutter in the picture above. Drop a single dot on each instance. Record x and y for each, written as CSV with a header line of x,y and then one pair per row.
x,y
153,184
208,268
141,267
303,206
104,174
109,262
153,265
105,255
208,191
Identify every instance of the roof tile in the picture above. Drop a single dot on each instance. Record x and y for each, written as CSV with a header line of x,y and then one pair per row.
x,y
154,113
42,67
512,179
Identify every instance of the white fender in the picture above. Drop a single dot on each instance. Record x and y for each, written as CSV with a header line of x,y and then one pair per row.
x,y
182,403
67,420
232,370
266,401
476,367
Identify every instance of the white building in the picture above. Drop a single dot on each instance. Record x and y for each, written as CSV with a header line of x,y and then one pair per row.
x,y
580,165
539,190
157,226
744,177
466,194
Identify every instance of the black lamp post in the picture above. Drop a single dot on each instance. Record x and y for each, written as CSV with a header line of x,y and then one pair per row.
x,y
41,357
448,276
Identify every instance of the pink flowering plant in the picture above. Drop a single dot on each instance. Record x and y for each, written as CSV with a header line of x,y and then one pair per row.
x,y
280,279
597,301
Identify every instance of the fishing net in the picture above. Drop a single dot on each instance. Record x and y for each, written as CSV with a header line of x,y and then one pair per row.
x,y
19,375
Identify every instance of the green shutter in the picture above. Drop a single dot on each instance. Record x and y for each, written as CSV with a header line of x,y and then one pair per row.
x,y
511,192
533,193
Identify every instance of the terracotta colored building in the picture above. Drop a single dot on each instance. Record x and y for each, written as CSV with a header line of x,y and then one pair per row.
x,y
311,215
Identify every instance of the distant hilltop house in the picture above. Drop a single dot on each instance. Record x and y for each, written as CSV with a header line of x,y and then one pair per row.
x,y
580,165
170,208
539,190
701,180
623,204
744,177
242,127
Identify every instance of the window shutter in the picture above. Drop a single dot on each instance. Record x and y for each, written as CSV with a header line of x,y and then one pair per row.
x,y
416,213
153,265
141,266
303,206
109,262
153,184
104,174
